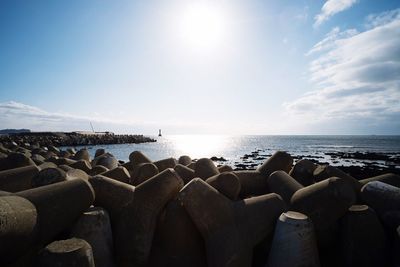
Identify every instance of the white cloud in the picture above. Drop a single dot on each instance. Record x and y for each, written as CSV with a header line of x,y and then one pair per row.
x,y
15,115
356,75
332,7
375,20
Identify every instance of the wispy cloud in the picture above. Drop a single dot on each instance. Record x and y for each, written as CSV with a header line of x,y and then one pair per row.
x,y
375,20
356,75
15,115
332,7
18,115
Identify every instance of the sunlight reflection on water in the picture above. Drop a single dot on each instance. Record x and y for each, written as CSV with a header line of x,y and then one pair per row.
x,y
198,146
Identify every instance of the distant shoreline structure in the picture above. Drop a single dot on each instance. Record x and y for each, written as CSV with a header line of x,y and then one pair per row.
x,y
75,138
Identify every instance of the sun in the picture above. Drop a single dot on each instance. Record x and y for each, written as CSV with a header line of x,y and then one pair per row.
x,y
202,25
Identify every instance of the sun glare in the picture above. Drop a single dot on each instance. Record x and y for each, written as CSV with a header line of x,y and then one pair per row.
x,y
202,25
198,146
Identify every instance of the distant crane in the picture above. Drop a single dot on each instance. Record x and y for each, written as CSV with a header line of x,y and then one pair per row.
x,y
91,126
159,132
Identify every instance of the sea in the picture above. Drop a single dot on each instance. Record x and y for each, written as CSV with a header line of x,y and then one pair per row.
x,y
234,148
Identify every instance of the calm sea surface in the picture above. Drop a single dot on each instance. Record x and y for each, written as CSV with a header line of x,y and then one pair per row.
x,y
233,148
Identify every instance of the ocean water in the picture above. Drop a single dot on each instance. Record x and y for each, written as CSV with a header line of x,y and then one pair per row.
x,y
233,148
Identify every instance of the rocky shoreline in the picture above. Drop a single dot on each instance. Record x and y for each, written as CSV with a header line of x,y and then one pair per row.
x,y
73,139
360,165
64,208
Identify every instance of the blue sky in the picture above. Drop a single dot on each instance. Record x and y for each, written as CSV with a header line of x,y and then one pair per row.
x,y
219,67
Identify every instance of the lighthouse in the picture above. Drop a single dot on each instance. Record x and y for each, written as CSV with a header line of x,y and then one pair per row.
x,y
159,132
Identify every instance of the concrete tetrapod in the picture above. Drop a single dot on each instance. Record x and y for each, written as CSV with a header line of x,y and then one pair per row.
x,y
165,164
18,222
94,227
83,165
82,154
388,178
120,174
280,160
62,167
15,160
294,243
77,174
134,212
177,242
58,206
186,173
226,183
324,203
99,152
143,172
225,168
112,195
303,171
97,170
72,252
205,168
283,184
137,157
363,240
107,160
381,197
184,160
230,229
17,179
323,172
253,183
396,248
48,176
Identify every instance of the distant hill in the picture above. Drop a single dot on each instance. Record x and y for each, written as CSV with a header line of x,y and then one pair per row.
x,y
13,131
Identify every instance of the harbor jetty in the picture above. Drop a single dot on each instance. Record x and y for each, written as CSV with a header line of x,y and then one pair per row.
x,y
61,207
78,138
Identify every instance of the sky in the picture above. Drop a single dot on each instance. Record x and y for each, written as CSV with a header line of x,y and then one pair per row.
x,y
201,67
